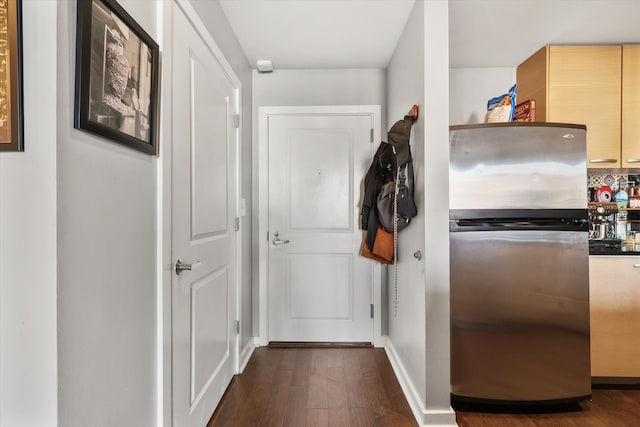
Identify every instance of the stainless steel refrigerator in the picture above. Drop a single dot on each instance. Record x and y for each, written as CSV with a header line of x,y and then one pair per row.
x,y
519,263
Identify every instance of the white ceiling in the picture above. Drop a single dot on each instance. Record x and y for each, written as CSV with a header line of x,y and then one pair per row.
x,y
307,34
318,33
503,33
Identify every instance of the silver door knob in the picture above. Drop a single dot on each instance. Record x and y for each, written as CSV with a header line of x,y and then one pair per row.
x,y
276,240
181,266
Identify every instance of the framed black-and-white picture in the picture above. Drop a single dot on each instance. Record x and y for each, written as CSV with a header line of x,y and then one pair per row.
x,y
11,111
116,76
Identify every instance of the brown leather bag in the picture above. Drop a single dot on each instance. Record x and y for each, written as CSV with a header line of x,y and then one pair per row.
x,y
382,247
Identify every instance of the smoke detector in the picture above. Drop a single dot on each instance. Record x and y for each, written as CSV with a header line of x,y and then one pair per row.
x,y
264,66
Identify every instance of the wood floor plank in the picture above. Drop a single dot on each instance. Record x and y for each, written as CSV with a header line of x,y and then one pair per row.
x,y
390,382
256,403
317,417
334,356
393,419
273,414
337,398
336,389
361,417
376,393
373,385
339,417
295,414
319,361
356,394
287,359
317,392
302,367
318,380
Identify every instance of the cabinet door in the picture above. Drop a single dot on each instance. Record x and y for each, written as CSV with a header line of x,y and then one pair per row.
x,y
630,106
585,88
615,316
531,80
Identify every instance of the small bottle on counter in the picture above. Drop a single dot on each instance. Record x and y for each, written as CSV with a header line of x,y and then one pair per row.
x,y
621,198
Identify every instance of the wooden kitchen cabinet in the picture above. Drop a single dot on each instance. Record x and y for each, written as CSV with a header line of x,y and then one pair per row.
x,y
631,106
582,85
614,288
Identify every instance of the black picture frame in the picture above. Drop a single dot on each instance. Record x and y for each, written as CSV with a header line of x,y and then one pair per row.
x,y
117,69
11,91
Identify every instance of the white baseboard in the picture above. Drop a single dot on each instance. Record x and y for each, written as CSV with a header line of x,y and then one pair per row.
x,y
260,341
424,416
245,355
380,341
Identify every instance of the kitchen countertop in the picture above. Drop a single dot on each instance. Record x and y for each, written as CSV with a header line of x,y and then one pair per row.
x,y
626,249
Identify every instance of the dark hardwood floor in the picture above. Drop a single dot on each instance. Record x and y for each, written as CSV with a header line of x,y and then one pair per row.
x,y
315,387
607,408
357,387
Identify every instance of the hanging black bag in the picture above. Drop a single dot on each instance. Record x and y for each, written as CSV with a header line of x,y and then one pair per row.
x,y
406,206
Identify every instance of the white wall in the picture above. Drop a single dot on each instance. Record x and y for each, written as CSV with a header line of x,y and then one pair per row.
x,y
308,87
471,88
406,334
419,333
106,260
28,354
320,87
78,223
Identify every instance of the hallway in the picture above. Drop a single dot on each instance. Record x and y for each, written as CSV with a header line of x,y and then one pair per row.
x,y
315,387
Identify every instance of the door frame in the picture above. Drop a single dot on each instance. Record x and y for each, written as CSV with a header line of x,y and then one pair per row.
x,y
263,207
164,256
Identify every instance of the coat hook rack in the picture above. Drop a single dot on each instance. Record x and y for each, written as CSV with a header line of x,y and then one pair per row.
x,y
413,113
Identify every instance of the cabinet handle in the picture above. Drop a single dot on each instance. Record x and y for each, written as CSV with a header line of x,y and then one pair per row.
x,y
636,265
603,161
633,160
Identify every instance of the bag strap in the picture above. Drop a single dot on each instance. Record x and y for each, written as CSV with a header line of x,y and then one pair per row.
x,y
395,245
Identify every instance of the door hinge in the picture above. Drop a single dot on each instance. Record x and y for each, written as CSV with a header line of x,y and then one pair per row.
x,y
237,327
236,120
371,135
371,310
237,224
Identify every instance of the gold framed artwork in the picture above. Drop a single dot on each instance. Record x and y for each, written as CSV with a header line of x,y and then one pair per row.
x,y
11,114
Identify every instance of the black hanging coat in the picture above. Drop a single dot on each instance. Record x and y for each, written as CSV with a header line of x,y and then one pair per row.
x,y
380,172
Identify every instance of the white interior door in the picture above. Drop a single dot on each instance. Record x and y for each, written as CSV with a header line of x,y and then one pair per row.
x,y
204,144
319,288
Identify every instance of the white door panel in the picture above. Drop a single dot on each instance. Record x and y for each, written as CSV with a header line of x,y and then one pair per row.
x,y
320,289
203,226
320,167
